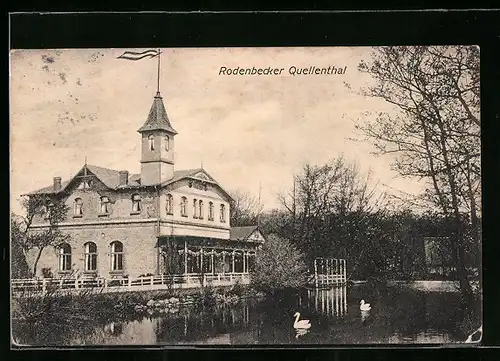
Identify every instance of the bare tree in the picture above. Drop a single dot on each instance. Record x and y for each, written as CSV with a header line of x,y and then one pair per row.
x,y
322,203
28,239
435,134
245,208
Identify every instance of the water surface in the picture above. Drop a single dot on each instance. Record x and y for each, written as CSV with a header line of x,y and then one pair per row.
x,y
398,315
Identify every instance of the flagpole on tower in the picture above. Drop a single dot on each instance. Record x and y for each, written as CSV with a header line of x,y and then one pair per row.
x,y
158,83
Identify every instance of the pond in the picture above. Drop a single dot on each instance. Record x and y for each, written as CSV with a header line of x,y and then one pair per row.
x,y
398,315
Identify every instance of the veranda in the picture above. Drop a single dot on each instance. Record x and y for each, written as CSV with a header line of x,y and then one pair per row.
x,y
194,256
183,262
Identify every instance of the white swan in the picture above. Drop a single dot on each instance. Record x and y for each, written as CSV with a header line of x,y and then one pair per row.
x,y
364,306
302,324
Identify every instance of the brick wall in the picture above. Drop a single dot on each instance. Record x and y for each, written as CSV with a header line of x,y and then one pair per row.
x,y
139,241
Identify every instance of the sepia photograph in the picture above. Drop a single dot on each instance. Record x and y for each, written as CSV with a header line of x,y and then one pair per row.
x,y
245,196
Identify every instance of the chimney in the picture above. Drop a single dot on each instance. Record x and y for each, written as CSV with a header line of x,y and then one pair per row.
x,y
123,177
57,184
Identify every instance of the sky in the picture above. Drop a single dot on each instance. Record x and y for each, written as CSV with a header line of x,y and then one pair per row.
x,y
70,104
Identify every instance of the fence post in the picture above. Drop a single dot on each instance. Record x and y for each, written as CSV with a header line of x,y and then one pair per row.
x,y
76,283
152,282
345,271
316,272
44,285
129,282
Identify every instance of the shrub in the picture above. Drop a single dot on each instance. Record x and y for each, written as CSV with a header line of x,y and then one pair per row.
x,y
237,289
47,273
279,265
209,295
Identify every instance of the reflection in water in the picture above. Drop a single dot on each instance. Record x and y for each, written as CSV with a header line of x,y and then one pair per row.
x,y
329,302
301,332
400,316
364,315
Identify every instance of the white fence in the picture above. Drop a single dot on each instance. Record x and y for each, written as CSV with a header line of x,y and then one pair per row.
x,y
329,271
127,284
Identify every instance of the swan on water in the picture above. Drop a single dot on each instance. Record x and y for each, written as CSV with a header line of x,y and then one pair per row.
x,y
302,324
364,306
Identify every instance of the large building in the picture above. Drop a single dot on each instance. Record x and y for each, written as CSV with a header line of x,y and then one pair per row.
x,y
161,221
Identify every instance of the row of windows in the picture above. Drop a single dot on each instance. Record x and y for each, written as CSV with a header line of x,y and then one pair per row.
x,y
104,205
152,146
198,207
90,257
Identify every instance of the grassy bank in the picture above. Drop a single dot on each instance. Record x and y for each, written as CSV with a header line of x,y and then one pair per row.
x,y
85,304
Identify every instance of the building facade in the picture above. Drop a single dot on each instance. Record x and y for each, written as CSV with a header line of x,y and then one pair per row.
x,y
161,221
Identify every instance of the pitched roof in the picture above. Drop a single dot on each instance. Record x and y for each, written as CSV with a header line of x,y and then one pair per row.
x,y
111,179
157,118
50,189
241,233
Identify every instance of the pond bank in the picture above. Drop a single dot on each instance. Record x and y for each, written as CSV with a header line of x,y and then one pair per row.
x,y
423,285
91,302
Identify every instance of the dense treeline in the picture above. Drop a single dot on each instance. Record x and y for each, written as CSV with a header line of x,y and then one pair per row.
x,y
335,211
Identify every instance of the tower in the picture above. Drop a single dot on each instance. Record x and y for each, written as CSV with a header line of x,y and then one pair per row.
x,y
157,149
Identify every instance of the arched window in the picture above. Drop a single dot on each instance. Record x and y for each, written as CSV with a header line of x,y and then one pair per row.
x,y
136,203
78,210
195,208
200,213
104,205
184,206
116,256
151,142
222,213
90,256
167,143
169,205
64,257
210,211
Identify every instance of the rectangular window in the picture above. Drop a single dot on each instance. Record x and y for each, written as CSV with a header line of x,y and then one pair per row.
x,y
195,208
78,210
104,205
184,207
136,203
210,211
222,213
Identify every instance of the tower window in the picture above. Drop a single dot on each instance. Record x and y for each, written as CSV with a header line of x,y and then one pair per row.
x,y
90,256
65,257
116,256
151,142
169,205
104,205
136,203
184,207
167,143
210,211
195,208
78,210
222,213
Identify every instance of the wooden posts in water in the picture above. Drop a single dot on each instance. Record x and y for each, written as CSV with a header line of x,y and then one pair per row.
x,y
316,272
